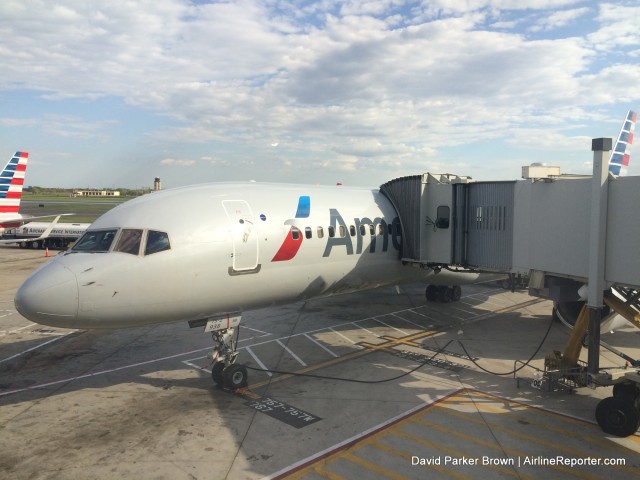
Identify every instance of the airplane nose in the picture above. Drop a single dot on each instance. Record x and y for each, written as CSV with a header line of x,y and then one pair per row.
x,y
49,296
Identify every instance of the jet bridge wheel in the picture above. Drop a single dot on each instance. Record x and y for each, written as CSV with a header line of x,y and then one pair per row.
x,y
618,416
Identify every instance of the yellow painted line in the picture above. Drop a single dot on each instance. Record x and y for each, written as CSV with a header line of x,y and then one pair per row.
x,y
469,417
407,456
563,431
451,451
320,470
372,466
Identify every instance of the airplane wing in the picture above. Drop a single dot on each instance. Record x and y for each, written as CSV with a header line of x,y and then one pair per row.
x,y
44,235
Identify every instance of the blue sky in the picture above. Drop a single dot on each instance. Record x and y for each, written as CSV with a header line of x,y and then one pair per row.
x,y
112,94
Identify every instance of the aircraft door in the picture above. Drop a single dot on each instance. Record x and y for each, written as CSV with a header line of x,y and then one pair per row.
x,y
244,237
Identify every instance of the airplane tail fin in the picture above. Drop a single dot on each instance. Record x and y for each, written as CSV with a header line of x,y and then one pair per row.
x,y
11,183
619,161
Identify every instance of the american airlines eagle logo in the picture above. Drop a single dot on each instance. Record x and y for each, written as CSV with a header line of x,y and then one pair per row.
x,y
292,243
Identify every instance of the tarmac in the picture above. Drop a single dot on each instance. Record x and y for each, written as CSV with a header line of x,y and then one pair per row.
x,y
375,385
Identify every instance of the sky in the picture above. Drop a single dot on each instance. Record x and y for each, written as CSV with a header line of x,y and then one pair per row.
x,y
113,94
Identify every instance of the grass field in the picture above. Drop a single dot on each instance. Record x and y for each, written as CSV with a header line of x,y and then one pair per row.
x,y
85,210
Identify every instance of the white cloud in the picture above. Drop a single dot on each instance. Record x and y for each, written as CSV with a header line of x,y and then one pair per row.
x,y
172,162
356,86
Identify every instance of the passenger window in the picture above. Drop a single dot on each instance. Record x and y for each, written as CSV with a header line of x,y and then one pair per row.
x,y
295,233
320,232
156,242
380,229
307,232
343,231
332,232
372,230
129,241
363,231
352,230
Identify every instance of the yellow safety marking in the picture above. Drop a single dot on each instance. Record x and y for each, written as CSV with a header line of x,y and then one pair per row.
x,y
451,451
572,433
577,453
407,456
320,470
372,466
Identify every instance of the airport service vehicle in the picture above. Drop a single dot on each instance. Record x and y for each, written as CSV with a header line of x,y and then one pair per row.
x,y
30,234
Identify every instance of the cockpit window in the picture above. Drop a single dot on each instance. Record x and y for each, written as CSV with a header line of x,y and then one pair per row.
x,y
95,241
156,242
129,241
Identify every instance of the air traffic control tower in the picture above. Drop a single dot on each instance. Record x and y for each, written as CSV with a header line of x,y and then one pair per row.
x,y
568,234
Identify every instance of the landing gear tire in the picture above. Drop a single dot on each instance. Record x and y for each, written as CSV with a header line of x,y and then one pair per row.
x,y
618,416
626,391
235,376
431,293
456,293
444,294
216,373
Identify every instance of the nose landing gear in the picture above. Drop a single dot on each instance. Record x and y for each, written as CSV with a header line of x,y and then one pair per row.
x,y
224,332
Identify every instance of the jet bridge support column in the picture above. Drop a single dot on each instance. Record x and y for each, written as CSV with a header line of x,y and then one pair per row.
x,y
597,243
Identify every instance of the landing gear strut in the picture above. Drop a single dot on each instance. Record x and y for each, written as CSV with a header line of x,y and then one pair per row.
x,y
442,293
224,332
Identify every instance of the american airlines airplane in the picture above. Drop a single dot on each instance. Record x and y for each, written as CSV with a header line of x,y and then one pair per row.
x,y
206,253
11,185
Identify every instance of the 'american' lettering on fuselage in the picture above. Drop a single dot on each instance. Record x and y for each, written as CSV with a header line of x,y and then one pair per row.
x,y
345,234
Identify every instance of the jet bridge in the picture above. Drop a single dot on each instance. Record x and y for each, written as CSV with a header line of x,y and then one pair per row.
x,y
564,232
451,220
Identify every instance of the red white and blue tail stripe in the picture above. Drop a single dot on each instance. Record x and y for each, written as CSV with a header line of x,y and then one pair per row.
x,y
619,161
11,183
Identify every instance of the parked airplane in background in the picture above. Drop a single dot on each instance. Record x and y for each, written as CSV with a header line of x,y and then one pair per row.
x,y
11,185
205,253
619,160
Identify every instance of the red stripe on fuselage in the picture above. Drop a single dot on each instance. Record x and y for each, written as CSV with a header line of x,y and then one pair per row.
x,y
289,247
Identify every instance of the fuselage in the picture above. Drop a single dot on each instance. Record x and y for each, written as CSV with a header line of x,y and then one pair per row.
x,y
206,250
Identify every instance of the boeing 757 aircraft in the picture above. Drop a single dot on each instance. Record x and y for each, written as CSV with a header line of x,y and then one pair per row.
x,y
205,253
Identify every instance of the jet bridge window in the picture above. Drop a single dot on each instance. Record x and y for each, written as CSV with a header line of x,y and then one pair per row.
x,y
129,241
156,242
442,216
95,241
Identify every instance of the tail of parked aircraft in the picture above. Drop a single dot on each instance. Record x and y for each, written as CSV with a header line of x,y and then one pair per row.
x,y
619,161
11,183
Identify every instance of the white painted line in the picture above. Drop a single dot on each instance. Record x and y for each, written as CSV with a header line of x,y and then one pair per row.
x,y
8,332
345,337
391,326
32,349
365,329
191,364
103,372
257,360
321,345
421,327
290,352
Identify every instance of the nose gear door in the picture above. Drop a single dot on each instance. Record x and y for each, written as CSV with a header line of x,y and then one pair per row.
x,y
244,236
